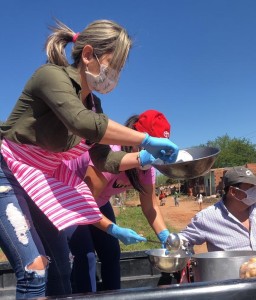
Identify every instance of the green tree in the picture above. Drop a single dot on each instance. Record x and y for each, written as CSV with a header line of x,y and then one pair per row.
x,y
161,179
164,180
234,151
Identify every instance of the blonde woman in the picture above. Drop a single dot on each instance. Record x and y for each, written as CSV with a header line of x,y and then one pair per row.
x,y
58,118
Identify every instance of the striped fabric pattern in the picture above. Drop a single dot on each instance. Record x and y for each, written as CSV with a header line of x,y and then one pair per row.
x,y
222,231
60,194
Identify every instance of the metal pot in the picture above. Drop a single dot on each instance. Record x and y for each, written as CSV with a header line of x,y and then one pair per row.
x,y
218,265
168,263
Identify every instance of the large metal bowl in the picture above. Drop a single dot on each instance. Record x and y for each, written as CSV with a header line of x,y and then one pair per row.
x,y
203,159
170,263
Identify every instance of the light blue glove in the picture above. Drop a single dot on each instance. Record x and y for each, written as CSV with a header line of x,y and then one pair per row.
x,y
162,236
125,235
146,158
161,148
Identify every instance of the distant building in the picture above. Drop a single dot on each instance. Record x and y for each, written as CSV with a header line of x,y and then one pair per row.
x,y
212,182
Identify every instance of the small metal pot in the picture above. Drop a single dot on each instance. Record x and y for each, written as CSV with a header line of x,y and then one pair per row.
x,y
218,265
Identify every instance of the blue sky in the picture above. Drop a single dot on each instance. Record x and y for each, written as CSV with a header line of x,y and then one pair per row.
x,y
194,60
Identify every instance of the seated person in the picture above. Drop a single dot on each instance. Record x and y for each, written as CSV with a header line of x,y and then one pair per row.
x,y
229,224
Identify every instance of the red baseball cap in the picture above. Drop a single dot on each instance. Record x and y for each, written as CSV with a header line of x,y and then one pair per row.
x,y
154,123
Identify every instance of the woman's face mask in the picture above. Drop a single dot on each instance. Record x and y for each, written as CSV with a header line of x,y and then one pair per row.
x,y
250,194
105,81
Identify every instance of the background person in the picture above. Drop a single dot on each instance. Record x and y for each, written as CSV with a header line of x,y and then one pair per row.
x,y
229,224
162,197
58,118
199,197
103,186
176,199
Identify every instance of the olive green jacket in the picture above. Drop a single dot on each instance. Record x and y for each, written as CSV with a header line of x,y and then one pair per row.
x,y
50,114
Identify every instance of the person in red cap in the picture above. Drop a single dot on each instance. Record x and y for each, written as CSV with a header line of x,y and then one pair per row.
x,y
104,185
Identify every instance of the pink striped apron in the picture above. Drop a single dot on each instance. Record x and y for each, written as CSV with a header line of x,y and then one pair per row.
x,y
60,194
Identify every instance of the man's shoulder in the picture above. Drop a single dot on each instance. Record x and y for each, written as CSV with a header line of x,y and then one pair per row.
x,y
212,208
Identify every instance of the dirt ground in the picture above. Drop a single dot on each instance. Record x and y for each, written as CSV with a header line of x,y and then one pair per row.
x,y
179,216
2,257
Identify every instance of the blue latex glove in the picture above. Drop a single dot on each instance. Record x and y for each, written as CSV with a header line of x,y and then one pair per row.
x,y
162,236
125,235
146,158
161,148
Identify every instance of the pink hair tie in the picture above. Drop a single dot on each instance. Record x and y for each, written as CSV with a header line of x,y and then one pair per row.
x,y
75,36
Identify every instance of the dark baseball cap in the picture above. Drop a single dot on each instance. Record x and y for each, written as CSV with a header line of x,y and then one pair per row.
x,y
237,175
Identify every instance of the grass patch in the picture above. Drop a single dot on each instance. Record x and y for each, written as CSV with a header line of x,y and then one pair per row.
x,y
133,218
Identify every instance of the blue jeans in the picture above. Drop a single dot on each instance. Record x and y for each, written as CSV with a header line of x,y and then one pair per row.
x,y
84,241
21,241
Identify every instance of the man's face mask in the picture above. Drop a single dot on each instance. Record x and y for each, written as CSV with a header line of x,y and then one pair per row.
x,y
105,81
250,196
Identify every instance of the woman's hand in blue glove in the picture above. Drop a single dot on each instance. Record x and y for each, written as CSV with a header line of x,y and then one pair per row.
x,y
125,235
161,148
162,236
145,158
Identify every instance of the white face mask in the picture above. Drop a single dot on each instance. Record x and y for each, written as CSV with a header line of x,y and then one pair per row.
x,y
250,198
105,81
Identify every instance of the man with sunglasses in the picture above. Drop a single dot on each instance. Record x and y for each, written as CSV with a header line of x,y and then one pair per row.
x,y
229,224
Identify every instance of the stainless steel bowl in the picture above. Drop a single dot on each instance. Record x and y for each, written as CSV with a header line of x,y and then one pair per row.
x,y
173,262
203,159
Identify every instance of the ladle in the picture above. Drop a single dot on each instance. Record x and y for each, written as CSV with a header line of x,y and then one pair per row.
x,y
172,243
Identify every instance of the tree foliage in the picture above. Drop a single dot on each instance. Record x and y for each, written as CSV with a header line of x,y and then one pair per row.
x,y
234,151
161,179
164,180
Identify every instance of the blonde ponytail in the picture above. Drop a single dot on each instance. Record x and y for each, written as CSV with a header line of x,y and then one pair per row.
x,y
57,41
